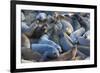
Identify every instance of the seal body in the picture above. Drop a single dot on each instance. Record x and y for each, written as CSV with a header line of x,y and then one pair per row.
x,y
45,40
74,36
65,42
46,50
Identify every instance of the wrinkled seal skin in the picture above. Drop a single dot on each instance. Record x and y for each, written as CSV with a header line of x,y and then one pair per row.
x,y
47,51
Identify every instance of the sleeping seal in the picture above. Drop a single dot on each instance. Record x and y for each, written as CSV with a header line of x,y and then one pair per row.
x,y
83,22
65,43
74,36
48,52
45,40
75,23
83,41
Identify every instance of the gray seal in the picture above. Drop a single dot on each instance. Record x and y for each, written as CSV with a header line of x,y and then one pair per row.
x,y
47,51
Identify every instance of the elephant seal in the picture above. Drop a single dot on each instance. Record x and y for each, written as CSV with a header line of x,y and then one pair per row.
x,y
45,40
48,52
83,22
83,41
74,35
65,43
75,23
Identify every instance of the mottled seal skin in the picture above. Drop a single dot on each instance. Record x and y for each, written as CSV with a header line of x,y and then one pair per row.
x,y
47,51
25,42
45,40
74,36
65,42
